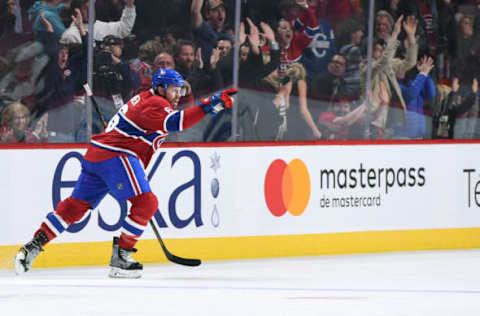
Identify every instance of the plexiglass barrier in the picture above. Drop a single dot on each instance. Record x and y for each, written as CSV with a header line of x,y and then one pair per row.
x,y
301,66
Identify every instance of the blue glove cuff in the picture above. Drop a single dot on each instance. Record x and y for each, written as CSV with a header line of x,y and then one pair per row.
x,y
209,104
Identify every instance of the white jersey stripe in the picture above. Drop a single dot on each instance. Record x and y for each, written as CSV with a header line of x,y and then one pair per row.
x,y
131,122
180,128
62,222
126,232
52,227
131,176
134,224
126,151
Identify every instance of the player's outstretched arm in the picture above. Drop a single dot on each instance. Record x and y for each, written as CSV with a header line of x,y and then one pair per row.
x,y
180,120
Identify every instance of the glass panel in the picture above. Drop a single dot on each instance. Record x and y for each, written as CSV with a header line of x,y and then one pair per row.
x,y
301,72
40,85
308,59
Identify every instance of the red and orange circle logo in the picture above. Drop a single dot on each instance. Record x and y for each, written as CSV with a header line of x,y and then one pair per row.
x,y
287,187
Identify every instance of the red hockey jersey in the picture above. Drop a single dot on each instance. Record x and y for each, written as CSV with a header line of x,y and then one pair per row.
x,y
300,41
140,127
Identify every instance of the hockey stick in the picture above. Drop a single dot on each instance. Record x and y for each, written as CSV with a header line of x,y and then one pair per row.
x,y
173,258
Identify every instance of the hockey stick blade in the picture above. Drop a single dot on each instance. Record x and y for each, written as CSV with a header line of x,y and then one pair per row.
x,y
173,258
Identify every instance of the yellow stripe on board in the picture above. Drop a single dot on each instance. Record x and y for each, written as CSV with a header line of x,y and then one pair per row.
x,y
98,253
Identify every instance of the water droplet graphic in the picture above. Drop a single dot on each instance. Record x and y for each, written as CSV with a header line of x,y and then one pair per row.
x,y
215,187
215,217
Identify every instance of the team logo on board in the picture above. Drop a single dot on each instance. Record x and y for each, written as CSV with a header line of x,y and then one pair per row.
x,y
287,187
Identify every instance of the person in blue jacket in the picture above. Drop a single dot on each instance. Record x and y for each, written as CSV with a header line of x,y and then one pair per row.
x,y
414,92
51,10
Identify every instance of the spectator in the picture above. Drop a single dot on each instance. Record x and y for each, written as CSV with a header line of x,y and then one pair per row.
x,y
114,81
444,117
224,45
414,92
144,64
14,126
453,102
465,108
384,69
20,83
326,87
436,32
60,83
252,68
333,124
293,44
8,18
193,68
437,27
254,111
52,9
331,84
465,37
165,60
316,56
353,55
290,73
342,120
14,29
207,32
113,76
334,11
120,29
383,25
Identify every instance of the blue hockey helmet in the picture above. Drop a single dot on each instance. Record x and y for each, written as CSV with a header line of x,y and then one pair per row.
x,y
166,77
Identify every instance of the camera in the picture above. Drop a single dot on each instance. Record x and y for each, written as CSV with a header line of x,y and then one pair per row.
x,y
103,57
103,62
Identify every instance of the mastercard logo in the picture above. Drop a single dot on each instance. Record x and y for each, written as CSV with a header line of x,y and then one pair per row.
x,y
287,187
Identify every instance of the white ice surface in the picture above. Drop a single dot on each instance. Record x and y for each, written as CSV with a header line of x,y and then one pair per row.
x,y
435,283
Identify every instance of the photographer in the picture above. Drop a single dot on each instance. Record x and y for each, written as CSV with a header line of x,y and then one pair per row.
x,y
113,79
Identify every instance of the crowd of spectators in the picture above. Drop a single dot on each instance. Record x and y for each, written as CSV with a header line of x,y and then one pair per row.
x,y
302,66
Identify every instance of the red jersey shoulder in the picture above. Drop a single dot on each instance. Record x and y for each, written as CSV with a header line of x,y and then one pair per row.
x,y
149,110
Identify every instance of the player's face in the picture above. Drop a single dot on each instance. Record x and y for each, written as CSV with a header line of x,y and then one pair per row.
x,y
173,95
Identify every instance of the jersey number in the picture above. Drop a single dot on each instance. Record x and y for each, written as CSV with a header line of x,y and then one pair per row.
x,y
114,120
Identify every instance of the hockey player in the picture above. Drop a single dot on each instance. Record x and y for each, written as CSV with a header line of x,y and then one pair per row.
x,y
115,161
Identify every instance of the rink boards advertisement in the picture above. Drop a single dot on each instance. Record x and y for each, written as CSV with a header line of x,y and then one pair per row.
x,y
260,201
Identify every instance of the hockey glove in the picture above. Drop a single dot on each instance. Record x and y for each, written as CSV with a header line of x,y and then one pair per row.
x,y
218,102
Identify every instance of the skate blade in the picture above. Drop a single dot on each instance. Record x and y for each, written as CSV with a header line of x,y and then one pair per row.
x,y
19,267
118,273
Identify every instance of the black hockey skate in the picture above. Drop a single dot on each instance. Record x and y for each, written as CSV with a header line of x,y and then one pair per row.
x,y
28,252
122,265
